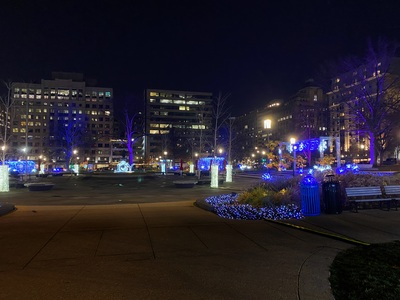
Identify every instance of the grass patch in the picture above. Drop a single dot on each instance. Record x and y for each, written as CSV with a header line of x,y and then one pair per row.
x,y
367,272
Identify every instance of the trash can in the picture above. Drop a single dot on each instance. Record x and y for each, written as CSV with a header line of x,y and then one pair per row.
x,y
331,195
309,193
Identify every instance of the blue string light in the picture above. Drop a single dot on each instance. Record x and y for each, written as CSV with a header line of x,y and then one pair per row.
x,y
226,206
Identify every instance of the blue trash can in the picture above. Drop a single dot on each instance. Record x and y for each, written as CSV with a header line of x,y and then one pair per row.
x,y
309,192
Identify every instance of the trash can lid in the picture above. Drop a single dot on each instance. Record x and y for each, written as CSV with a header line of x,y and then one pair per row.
x,y
309,180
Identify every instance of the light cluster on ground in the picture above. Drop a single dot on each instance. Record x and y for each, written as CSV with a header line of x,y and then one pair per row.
x,y
227,206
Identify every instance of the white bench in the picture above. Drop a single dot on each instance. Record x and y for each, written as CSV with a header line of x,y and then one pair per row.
x,y
356,195
392,192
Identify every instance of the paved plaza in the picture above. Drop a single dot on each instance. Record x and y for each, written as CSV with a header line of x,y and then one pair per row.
x,y
96,240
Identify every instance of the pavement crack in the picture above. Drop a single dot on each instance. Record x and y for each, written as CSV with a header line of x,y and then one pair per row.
x,y
148,232
52,237
247,237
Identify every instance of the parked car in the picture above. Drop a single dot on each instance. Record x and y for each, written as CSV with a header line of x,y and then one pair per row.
x,y
390,161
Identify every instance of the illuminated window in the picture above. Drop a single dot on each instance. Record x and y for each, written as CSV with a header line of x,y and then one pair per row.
x,y
165,101
179,101
63,94
154,94
15,129
153,131
108,94
184,108
192,102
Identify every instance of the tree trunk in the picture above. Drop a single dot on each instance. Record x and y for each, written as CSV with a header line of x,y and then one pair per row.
x,y
372,153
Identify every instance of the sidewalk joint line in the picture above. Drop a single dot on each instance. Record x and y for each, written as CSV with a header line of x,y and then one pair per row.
x,y
52,237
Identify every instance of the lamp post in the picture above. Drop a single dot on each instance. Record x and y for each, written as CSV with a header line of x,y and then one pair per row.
x,y
25,149
267,126
292,142
164,165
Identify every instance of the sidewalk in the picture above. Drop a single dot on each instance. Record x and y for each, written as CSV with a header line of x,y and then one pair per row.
x,y
368,225
149,247
157,251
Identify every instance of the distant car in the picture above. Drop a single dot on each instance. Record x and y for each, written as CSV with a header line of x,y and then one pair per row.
x,y
57,172
390,161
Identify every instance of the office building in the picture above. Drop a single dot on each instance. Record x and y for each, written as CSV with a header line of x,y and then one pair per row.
x,y
49,114
178,124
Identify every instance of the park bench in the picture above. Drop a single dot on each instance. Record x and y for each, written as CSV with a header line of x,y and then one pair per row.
x,y
392,192
366,194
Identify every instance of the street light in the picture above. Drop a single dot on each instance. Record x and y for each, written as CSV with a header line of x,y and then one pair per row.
x,y
26,159
292,142
267,125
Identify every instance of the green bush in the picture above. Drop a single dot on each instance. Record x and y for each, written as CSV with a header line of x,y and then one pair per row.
x,y
268,194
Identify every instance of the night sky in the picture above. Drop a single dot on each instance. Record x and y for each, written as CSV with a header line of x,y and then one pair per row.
x,y
256,50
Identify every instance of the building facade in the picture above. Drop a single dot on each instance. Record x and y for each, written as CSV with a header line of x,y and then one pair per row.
x,y
178,124
363,102
47,116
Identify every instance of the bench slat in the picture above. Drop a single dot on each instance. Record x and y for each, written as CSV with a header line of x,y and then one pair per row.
x,y
392,189
364,194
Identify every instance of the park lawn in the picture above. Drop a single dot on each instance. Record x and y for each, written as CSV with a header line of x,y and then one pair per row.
x,y
367,272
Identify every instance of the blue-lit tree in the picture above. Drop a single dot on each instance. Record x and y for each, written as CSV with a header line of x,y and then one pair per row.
x,y
369,92
69,130
133,131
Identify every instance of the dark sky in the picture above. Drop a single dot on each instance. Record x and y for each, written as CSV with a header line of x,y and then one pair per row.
x,y
256,50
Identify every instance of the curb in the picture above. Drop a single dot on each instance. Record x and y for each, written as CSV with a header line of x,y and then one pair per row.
x,y
6,208
338,237
204,205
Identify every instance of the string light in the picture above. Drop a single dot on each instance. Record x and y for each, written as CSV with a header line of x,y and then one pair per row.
x,y
226,206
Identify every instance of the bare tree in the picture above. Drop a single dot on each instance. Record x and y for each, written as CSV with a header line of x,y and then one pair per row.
x,y
370,93
133,131
201,119
69,133
220,114
7,103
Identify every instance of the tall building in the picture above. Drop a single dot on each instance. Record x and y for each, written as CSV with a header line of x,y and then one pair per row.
x,y
178,124
303,116
49,114
245,135
364,101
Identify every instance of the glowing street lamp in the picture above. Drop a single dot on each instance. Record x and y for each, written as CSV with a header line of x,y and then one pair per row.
x,y
267,126
293,142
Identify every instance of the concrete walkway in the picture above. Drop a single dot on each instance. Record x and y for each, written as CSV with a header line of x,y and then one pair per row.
x,y
168,250
157,251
